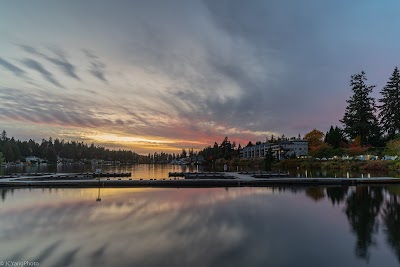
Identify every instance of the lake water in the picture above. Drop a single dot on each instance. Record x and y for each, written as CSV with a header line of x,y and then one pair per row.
x,y
289,226
315,226
149,171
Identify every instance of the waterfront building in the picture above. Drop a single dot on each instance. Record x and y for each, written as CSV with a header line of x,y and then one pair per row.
x,y
33,159
282,149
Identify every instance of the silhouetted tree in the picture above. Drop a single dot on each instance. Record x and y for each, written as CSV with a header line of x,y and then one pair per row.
x,y
3,136
268,159
389,110
335,137
8,152
14,150
359,118
183,154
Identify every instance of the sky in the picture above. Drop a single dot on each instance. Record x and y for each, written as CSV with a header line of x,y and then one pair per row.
x,y
162,75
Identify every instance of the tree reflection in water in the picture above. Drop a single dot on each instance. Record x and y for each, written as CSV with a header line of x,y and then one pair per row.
x,y
315,193
4,192
363,205
362,210
391,219
337,194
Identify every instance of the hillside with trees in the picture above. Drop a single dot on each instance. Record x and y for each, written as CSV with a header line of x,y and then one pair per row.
x,y
54,150
50,150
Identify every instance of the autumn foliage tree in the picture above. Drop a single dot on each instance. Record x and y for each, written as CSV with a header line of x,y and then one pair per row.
x,y
355,148
315,140
393,147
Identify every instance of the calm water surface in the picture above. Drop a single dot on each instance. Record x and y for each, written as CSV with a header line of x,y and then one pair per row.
x,y
317,226
145,171
148,171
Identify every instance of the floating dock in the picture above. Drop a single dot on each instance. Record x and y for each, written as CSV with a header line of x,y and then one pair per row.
x,y
222,179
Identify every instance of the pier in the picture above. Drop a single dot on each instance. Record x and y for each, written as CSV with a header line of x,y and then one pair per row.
x,y
214,179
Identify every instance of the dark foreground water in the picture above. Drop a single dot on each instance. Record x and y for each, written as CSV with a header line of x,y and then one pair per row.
x,y
317,226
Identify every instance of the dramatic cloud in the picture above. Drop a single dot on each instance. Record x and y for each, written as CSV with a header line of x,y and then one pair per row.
x,y
11,67
33,64
188,74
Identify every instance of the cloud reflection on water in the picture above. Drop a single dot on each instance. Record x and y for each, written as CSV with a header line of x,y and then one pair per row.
x,y
133,225
181,227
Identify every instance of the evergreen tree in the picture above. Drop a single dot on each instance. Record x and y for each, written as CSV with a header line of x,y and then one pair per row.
x,y
8,152
183,154
269,158
249,144
3,136
359,118
335,137
51,155
390,108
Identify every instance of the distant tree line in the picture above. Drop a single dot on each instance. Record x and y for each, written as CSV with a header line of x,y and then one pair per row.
x,y
167,157
16,150
12,150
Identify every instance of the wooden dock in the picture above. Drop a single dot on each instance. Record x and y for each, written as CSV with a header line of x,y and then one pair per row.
x,y
202,175
223,179
52,176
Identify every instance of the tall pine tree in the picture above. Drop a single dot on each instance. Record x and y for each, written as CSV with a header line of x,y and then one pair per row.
x,y
335,137
390,109
359,118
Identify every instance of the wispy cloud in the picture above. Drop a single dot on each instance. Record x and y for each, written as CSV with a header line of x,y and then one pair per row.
x,y
11,67
97,67
33,64
136,128
60,60
48,108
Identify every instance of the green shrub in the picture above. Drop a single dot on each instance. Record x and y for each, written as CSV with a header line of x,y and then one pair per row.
x,y
394,166
376,165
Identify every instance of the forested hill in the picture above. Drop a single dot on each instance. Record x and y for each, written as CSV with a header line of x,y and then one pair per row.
x,y
16,150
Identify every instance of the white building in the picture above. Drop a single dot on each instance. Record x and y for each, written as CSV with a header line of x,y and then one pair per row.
x,y
298,147
282,149
33,159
